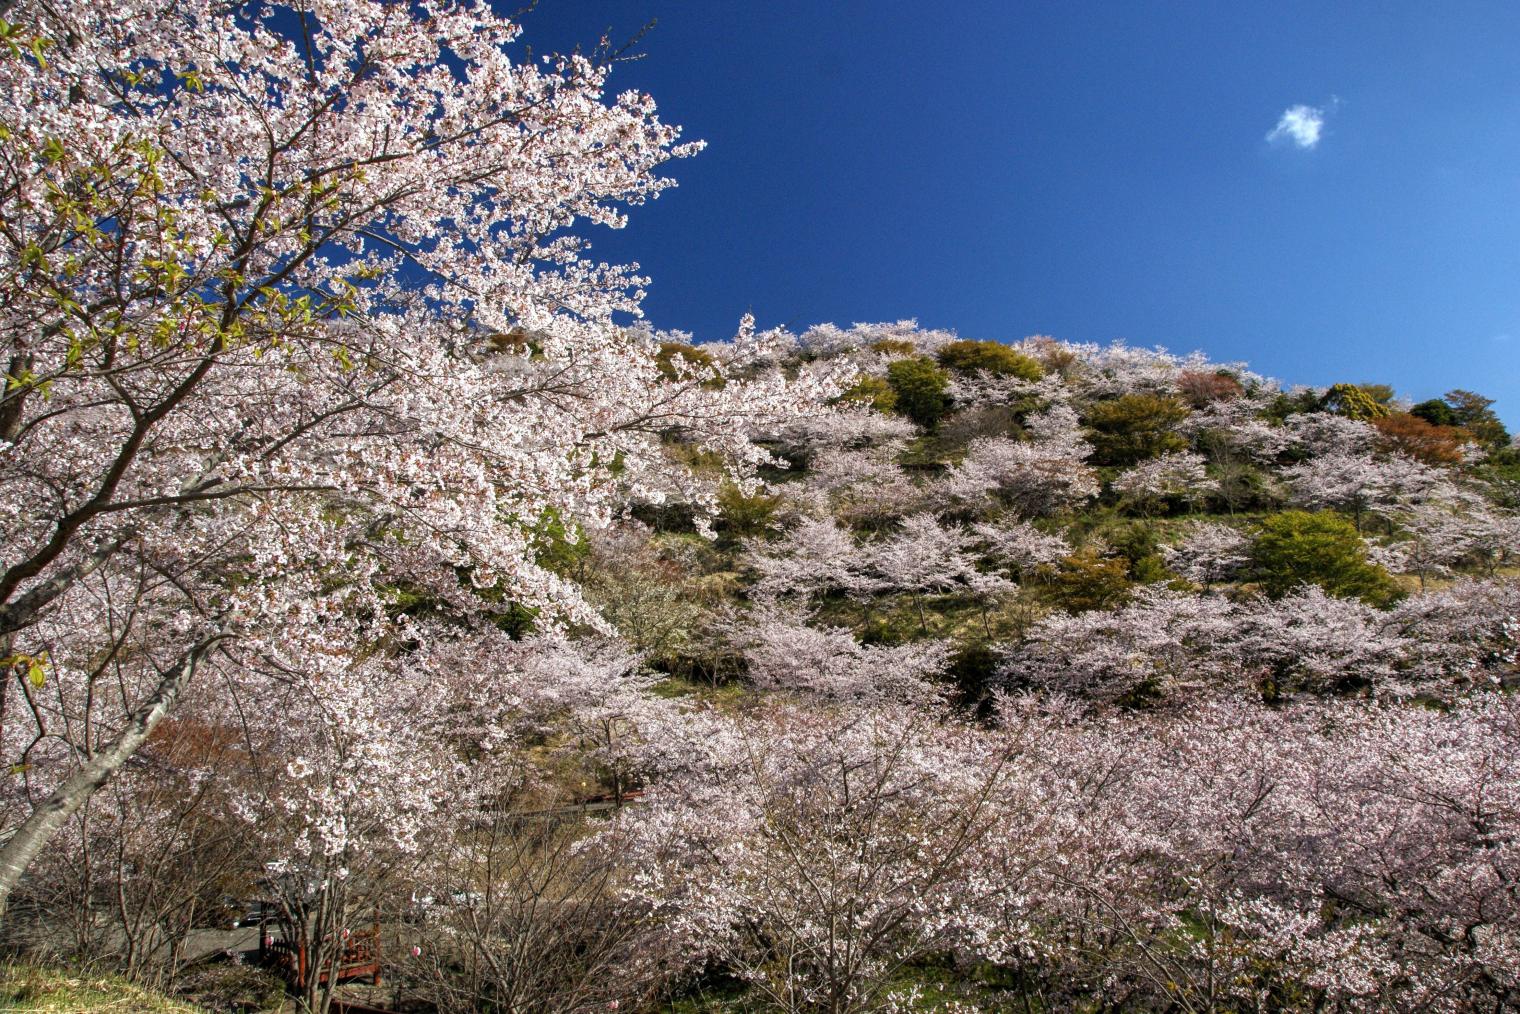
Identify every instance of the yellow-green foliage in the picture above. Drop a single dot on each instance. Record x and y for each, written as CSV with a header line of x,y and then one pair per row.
x,y
690,356
558,547
745,516
989,357
874,392
1086,581
1323,548
1134,427
26,989
893,347
920,388
1357,401
698,459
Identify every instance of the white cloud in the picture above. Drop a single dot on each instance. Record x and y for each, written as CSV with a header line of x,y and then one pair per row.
x,y
1300,126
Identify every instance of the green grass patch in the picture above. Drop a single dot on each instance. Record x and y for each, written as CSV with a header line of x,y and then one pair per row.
x,y
25,989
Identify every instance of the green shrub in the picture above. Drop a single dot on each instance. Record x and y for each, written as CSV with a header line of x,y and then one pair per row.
x,y
746,515
893,347
874,392
1297,403
1323,548
1436,412
1135,427
690,356
1133,540
1357,401
989,357
1085,581
920,389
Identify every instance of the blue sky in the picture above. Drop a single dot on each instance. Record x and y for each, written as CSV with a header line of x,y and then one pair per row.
x,y
1094,171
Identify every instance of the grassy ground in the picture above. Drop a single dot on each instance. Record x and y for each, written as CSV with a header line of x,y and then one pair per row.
x,y
27,989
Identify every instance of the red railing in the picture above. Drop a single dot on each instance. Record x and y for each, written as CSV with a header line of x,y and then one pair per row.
x,y
359,959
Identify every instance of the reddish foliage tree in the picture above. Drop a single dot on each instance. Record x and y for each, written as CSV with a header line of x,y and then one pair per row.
x,y
1199,389
1421,440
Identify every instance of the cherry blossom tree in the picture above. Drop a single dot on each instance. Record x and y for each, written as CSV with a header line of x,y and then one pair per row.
x,y
1400,905
131,876
1176,648
832,851
813,558
346,810
1320,433
986,387
1461,638
923,556
1359,483
1437,538
1116,370
1314,641
1159,646
863,486
831,340
807,437
1038,477
1179,475
1019,546
652,591
526,916
1491,532
784,652
293,319
1208,553
1259,439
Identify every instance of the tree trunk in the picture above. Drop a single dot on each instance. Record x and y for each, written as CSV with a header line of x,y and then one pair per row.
x,y
38,829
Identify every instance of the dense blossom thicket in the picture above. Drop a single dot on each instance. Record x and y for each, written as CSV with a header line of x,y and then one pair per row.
x,y
359,555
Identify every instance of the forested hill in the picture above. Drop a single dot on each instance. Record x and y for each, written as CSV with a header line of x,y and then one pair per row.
x,y
1129,528
380,600
1052,676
